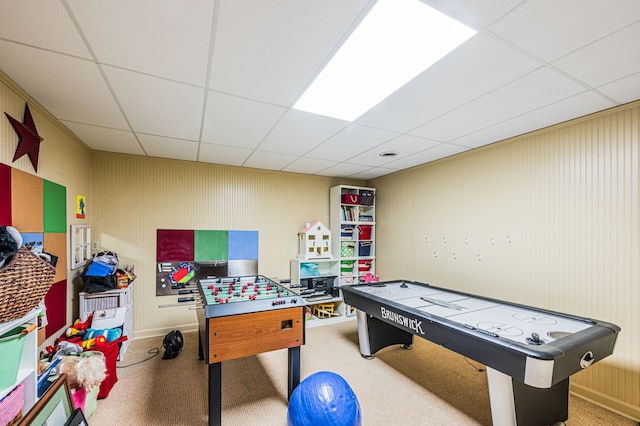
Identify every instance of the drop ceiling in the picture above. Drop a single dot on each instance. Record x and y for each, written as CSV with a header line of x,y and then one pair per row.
x,y
215,81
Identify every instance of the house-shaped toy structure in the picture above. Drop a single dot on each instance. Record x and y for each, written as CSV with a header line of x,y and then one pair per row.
x,y
314,241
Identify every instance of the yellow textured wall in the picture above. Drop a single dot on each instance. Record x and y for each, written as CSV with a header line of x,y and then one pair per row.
x,y
134,196
62,159
548,219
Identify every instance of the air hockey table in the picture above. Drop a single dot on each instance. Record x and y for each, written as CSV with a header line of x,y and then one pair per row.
x,y
244,316
529,353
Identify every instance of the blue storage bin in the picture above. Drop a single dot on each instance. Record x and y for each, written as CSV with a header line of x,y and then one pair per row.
x,y
100,269
364,248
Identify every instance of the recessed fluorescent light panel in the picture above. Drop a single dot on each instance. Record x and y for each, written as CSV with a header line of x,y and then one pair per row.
x,y
395,42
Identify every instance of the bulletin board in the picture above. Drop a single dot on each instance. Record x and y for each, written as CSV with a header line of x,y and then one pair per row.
x,y
37,208
184,256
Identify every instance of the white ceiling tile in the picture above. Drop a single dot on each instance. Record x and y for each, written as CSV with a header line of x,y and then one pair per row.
x,y
43,24
269,50
404,145
567,109
343,169
373,173
298,132
223,154
350,142
431,154
269,160
623,90
121,31
104,139
157,106
157,146
227,116
478,66
620,48
66,98
308,165
539,88
482,12
550,29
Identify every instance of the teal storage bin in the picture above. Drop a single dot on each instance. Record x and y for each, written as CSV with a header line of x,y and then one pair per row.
x,y
11,346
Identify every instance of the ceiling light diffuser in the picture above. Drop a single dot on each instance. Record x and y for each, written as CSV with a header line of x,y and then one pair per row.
x,y
395,42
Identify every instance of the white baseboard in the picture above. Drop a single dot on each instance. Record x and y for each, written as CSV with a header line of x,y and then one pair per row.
x,y
604,401
158,332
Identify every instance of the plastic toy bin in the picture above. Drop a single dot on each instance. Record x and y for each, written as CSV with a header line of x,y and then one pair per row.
x,y
11,345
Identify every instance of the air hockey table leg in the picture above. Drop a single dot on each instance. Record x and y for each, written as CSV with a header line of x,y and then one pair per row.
x,y
514,403
374,334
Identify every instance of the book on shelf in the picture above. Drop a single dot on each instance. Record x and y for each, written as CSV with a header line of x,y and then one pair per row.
x,y
348,213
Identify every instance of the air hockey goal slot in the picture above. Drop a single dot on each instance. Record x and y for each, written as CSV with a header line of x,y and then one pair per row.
x,y
587,359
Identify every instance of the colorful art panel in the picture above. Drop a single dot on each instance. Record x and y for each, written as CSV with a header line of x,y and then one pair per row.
x,y
55,207
243,245
211,245
5,195
204,253
55,243
175,245
56,303
26,202
37,208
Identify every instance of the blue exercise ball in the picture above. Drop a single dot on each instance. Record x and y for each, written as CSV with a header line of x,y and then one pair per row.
x,y
323,399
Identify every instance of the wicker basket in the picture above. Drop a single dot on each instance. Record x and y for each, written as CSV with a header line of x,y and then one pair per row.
x,y
24,281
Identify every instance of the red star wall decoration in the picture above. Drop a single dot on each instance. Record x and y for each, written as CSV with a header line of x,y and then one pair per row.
x,y
29,140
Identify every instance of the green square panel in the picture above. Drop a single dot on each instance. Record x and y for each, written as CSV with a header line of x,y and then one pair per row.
x,y
55,207
211,245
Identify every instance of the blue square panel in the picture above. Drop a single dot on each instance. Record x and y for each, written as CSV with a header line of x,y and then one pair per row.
x,y
243,245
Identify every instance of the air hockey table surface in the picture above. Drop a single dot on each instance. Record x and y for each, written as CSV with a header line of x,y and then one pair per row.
x,y
496,318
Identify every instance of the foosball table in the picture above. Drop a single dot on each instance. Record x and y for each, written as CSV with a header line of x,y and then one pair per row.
x,y
244,316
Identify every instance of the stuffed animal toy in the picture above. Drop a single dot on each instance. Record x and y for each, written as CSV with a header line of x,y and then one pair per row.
x,y
96,341
87,370
84,372
370,278
110,334
65,348
10,242
79,328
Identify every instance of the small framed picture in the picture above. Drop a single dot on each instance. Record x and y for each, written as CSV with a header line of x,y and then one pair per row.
x,y
54,408
77,419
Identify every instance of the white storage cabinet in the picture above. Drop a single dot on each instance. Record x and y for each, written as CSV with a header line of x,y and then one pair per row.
x,y
90,302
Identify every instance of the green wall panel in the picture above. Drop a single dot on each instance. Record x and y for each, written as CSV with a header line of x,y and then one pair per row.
x,y
211,245
55,207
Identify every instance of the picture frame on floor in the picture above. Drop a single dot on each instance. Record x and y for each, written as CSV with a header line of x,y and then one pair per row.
x,y
76,419
54,408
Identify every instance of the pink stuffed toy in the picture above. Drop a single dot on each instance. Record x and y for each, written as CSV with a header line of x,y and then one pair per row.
x,y
370,278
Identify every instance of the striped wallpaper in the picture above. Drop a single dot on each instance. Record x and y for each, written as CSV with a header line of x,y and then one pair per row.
x,y
548,219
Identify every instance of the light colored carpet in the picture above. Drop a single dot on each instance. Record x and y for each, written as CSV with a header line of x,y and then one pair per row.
x,y
424,385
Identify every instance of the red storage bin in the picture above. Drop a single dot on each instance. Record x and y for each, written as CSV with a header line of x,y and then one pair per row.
x,y
350,198
364,232
364,265
110,351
